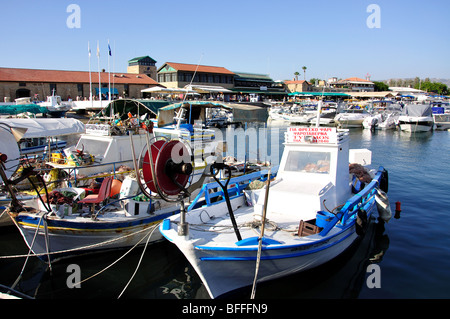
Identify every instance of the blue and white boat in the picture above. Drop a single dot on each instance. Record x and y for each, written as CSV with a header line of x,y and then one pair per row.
x,y
63,233
311,213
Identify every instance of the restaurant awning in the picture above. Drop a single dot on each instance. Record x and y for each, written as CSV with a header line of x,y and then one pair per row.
x,y
135,107
242,112
208,89
318,94
158,89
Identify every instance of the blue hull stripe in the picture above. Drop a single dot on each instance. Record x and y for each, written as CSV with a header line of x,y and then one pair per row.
x,y
92,226
297,254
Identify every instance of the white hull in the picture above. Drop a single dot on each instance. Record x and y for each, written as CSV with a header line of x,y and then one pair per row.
x,y
416,124
349,123
237,264
74,235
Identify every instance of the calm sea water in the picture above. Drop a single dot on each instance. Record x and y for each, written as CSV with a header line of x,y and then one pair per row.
x,y
414,247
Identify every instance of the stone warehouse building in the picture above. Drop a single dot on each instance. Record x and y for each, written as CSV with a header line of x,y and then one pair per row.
x,y
16,83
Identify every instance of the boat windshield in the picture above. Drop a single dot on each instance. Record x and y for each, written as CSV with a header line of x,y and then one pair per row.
x,y
308,162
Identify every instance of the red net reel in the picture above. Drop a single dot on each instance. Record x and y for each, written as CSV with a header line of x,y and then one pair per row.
x,y
171,173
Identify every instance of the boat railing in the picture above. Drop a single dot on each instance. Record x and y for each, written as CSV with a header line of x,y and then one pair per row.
x,y
212,193
359,201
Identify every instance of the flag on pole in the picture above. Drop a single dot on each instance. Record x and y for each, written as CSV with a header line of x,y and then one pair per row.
x,y
89,50
98,50
109,49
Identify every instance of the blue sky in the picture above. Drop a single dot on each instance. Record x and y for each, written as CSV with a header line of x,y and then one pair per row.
x,y
330,38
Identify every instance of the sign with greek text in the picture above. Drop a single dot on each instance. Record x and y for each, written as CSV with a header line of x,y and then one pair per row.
x,y
311,135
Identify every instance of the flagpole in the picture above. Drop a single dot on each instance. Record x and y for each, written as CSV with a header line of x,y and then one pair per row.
x,y
99,81
109,74
90,76
114,64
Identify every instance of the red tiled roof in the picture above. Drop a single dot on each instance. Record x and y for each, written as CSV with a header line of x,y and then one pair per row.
x,y
57,76
354,79
201,68
296,82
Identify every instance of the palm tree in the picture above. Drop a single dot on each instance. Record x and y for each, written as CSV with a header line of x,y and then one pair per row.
x,y
304,72
296,75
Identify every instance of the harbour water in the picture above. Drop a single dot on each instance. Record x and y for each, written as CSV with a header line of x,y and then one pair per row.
x,y
412,250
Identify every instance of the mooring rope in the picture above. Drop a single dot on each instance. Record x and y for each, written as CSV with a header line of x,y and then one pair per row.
x,y
261,236
120,258
75,249
140,260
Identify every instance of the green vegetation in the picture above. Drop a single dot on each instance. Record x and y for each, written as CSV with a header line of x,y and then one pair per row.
x,y
425,85
380,86
436,87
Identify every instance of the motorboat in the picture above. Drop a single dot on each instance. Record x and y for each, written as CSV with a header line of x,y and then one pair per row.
x,y
383,115
441,115
327,113
416,118
381,121
351,118
309,214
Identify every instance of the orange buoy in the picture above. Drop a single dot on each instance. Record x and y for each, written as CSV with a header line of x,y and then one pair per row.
x,y
115,187
398,206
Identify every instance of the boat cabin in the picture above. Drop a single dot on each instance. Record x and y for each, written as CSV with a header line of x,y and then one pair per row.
x,y
314,169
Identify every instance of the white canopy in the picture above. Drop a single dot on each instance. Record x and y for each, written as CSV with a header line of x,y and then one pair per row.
x,y
158,89
43,127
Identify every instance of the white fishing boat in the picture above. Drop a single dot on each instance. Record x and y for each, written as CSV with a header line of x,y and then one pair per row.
x,y
56,106
64,223
306,217
65,231
416,118
351,118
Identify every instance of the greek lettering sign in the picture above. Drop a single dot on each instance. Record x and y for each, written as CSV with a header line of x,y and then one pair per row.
x,y
311,135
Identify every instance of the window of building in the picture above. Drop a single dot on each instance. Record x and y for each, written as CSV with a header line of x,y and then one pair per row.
x,y
80,89
52,88
22,84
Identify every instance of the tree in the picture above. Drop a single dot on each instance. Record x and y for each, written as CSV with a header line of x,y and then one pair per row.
x,y
296,75
436,87
314,80
304,72
380,86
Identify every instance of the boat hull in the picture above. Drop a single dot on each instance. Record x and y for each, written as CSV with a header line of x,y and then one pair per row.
x,y
240,266
67,238
421,124
237,264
